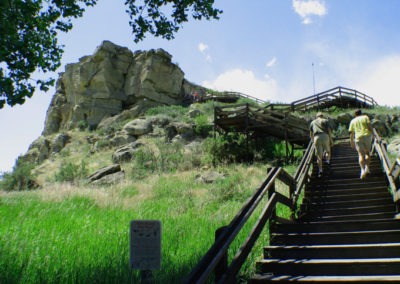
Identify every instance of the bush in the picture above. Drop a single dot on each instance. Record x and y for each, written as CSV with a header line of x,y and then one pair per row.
x,y
161,158
234,147
202,126
82,125
21,178
229,189
145,159
228,148
71,172
171,111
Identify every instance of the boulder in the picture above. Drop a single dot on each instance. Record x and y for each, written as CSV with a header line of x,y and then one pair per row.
x,y
184,129
110,179
104,172
38,151
209,177
59,142
121,138
113,123
138,127
170,132
194,113
126,152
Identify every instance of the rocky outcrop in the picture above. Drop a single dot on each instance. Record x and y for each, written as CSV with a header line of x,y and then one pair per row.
x,y
112,169
43,147
126,152
112,80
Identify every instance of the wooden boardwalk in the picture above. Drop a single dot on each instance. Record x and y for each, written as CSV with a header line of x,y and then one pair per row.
x,y
260,122
276,120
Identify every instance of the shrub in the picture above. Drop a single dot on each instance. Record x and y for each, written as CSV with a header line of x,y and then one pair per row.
x,y
171,156
202,126
21,177
234,147
65,153
171,111
82,125
102,143
162,158
229,188
145,159
70,172
228,148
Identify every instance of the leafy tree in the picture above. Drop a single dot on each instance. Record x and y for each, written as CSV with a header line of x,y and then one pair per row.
x,y
29,30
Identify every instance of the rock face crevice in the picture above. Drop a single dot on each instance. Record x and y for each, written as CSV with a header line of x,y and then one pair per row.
x,y
110,81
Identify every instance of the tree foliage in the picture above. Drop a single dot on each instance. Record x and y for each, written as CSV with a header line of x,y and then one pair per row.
x,y
29,30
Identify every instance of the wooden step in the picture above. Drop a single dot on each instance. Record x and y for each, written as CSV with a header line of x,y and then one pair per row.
x,y
352,173
345,196
358,210
339,226
346,231
347,187
325,267
336,238
347,182
359,279
366,217
331,191
319,203
376,250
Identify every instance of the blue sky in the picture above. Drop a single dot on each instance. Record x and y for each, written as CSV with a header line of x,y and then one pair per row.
x,y
268,49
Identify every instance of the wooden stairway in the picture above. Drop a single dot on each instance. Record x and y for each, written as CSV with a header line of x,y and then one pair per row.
x,y
346,232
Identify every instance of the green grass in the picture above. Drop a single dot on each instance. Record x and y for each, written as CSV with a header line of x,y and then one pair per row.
x,y
76,235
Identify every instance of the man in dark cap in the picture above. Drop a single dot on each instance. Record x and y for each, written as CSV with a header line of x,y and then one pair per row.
x,y
321,134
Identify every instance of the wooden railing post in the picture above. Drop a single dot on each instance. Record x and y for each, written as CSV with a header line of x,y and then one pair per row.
x,y
271,191
222,265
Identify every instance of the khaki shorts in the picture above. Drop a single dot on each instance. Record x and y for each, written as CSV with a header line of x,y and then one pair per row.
x,y
321,142
364,143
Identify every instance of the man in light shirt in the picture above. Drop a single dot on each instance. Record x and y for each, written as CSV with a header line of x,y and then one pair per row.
x,y
360,129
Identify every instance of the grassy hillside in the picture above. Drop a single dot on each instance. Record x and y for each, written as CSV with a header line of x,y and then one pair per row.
x,y
70,231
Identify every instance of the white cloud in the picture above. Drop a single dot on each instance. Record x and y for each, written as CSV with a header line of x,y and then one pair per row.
x,y
245,81
380,80
272,62
306,9
203,48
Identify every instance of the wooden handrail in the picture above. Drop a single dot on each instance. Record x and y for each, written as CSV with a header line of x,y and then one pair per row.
x,y
391,171
209,261
218,251
324,97
338,90
302,173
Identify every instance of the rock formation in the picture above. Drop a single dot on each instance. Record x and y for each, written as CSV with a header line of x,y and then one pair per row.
x,y
110,91
110,81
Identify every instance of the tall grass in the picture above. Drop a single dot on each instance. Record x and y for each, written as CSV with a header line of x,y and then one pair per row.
x,y
67,234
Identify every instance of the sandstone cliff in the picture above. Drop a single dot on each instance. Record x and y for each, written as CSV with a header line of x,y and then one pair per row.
x,y
111,80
